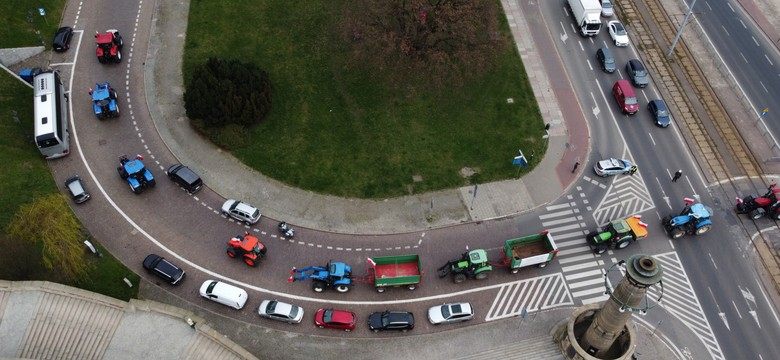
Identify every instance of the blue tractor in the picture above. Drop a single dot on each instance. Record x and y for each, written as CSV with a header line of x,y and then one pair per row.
x,y
104,100
136,174
693,219
336,275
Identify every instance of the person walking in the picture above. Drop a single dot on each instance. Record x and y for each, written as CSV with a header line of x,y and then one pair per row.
x,y
677,175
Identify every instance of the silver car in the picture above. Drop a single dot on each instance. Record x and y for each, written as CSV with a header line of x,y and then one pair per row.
x,y
607,10
277,310
450,313
241,211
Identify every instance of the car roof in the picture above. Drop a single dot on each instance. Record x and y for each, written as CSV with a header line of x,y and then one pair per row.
x,y
460,308
245,207
636,64
611,162
75,185
185,173
341,316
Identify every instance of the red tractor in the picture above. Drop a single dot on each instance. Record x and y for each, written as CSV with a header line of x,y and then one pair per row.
x,y
109,46
248,247
757,207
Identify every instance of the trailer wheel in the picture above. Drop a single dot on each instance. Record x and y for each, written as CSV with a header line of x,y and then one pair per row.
x,y
412,287
515,271
459,278
318,286
342,288
543,265
703,229
380,289
482,276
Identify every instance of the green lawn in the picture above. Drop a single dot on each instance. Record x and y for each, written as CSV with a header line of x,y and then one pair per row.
x,y
23,25
26,175
353,131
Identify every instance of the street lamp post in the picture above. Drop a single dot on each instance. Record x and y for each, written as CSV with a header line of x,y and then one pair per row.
x,y
682,26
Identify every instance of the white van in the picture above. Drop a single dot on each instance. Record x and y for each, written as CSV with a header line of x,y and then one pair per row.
x,y
224,294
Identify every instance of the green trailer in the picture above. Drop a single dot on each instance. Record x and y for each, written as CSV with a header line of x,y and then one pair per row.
x,y
538,249
396,270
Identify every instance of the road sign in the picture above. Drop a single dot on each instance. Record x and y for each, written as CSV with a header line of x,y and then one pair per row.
x,y
42,11
520,159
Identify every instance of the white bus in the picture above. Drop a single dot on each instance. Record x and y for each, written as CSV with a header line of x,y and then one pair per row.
x,y
51,115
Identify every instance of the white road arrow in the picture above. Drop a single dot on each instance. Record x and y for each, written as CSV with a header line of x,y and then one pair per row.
x,y
751,303
564,36
720,313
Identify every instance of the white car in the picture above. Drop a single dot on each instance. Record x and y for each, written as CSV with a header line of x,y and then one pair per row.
x,y
241,211
277,310
224,294
450,313
618,33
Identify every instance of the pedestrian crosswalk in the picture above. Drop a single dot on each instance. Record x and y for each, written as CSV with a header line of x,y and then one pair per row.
x,y
530,295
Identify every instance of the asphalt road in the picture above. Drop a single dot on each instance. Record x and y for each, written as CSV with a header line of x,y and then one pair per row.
x,y
191,227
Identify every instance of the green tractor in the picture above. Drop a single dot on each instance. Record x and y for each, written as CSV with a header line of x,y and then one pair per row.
x,y
473,264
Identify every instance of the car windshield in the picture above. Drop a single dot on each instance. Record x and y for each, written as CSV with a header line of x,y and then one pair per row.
x,y
293,312
445,312
619,29
631,101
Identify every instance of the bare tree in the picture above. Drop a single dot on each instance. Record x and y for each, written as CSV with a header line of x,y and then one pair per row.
x,y
426,35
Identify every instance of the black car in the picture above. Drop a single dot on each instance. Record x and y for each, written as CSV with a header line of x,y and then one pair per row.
x,y
391,320
636,71
62,39
186,178
660,113
77,189
606,60
163,268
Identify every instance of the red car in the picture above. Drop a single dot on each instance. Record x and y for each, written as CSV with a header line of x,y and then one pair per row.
x,y
336,319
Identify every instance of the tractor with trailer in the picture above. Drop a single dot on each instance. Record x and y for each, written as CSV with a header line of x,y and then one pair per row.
x,y
247,247
104,101
693,219
537,249
759,206
618,234
136,174
394,270
109,46
335,274
473,264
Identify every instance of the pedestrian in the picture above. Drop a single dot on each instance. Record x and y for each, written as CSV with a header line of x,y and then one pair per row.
x,y
677,175
633,170
576,164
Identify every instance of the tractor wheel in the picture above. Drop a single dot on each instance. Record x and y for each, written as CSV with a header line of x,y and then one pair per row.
x,y
412,287
342,288
122,172
231,252
459,278
318,286
135,190
250,262
677,233
118,58
703,229
623,244
756,214
482,276
380,289
600,249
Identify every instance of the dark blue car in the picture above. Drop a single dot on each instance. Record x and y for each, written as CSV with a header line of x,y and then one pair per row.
x,y
104,100
660,113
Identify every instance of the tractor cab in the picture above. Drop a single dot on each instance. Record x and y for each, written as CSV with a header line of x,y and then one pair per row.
x,y
337,270
699,211
109,46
